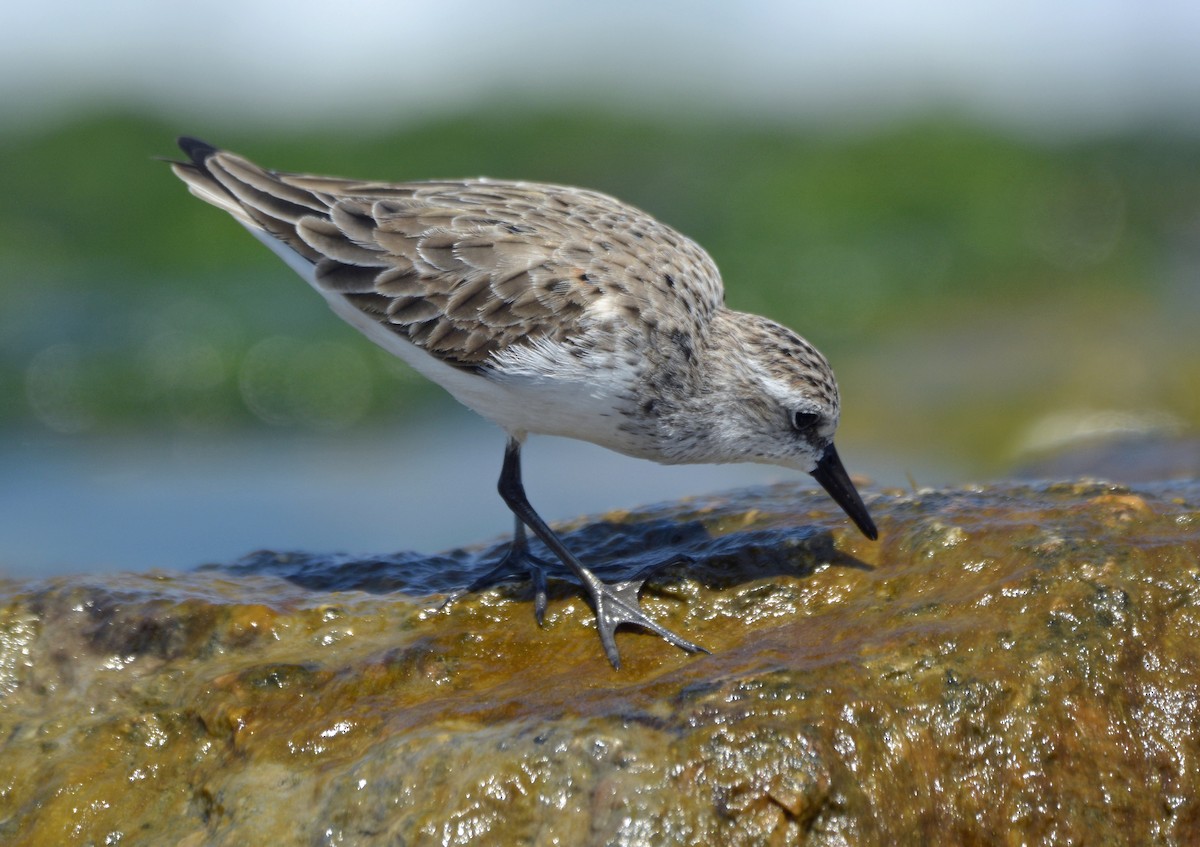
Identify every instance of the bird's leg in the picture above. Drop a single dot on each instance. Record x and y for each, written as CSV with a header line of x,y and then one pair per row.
x,y
516,562
536,567
614,604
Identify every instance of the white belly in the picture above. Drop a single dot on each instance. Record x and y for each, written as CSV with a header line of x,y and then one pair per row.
x,y
541,389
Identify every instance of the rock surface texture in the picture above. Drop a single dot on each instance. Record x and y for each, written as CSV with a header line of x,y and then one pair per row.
x,y
1010,664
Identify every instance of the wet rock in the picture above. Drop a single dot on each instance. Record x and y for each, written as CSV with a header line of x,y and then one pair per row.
x,y
1009,664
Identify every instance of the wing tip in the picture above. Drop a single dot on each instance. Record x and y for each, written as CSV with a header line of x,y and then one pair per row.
x,y
198,151
203,183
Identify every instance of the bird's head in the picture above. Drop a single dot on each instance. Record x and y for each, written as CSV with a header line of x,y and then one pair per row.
x,y
777,403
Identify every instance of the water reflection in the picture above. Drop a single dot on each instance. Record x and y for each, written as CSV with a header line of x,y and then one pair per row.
x,y
76,504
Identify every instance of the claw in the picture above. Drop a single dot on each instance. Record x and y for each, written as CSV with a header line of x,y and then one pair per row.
x,y
618,604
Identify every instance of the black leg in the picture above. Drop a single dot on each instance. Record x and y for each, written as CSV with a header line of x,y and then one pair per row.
x,y
614,605
516,563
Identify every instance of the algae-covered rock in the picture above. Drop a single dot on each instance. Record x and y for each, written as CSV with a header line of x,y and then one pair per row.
x,y
1009,664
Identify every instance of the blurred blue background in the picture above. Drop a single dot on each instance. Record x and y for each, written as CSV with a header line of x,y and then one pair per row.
x,y
987,215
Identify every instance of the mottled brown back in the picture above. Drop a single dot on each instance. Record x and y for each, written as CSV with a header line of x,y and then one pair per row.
x,y
467,269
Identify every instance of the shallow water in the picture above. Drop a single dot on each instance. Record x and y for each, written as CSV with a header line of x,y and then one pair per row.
x,y
92,504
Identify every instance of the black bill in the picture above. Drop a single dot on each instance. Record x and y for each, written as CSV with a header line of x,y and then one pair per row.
x,y
833,478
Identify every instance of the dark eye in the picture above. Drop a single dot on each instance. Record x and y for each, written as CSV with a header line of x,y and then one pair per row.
x,y
805,421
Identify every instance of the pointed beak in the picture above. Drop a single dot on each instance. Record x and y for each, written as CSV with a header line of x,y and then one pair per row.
x,y
833,478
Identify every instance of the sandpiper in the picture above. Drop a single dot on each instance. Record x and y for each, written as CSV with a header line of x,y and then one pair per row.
x,y
555,310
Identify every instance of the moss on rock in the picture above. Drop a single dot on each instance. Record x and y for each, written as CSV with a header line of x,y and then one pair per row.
x,y
1010,663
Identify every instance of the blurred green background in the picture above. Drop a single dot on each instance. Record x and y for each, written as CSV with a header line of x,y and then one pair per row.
x,y
965,283
995,255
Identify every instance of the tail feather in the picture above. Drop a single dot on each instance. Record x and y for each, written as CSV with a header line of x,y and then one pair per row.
x,y
201,182
198,151
257,198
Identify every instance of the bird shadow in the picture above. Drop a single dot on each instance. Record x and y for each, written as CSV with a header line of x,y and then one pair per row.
x,y
662,551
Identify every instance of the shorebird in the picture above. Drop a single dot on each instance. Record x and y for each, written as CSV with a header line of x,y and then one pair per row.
x,y
553,310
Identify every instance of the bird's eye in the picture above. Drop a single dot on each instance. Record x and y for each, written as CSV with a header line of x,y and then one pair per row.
x,y
805,421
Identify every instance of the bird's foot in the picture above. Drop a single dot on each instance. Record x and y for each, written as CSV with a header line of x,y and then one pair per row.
x,y
516,563
618,604
615,604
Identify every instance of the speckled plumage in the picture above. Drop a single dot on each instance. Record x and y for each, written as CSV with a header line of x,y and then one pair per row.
x,y
548,309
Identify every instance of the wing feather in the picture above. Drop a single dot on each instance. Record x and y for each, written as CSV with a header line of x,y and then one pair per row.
x,y
465,270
